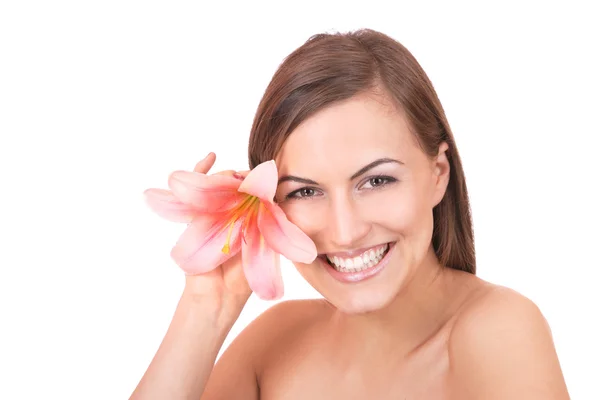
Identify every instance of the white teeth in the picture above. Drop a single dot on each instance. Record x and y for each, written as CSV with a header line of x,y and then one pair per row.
x,y
372,255
368,259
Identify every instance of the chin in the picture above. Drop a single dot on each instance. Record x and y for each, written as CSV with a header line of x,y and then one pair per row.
x,y
370,288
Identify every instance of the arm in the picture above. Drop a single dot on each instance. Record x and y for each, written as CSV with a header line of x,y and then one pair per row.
x,y
501,348
234,375
185,358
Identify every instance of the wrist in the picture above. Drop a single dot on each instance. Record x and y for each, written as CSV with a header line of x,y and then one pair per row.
x,y
222,312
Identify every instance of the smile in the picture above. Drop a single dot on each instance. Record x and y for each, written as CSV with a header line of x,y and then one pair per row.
x,y
354,267
367,259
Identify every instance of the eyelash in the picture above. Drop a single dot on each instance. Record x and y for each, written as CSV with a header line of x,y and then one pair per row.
x,y
387,181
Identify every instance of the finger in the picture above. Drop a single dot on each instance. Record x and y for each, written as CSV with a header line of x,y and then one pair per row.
x,y
206,164
240,174
228,172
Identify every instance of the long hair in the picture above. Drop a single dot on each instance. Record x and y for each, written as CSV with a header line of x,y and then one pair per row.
x,y
332,67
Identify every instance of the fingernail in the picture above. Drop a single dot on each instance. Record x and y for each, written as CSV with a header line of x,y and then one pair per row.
x,y
238,176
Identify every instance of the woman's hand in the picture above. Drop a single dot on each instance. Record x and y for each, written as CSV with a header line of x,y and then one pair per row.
x,y
225,288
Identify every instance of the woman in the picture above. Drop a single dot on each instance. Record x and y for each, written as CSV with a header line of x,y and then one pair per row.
x,y
369,170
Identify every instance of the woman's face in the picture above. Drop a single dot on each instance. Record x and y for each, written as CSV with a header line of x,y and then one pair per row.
x,y
353,178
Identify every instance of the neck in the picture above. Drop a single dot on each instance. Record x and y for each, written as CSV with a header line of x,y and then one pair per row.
x,y
418,311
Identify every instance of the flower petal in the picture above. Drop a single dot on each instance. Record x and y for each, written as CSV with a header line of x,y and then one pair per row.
x,y
283,236
208,193
199,249
261,265
164,203
261,182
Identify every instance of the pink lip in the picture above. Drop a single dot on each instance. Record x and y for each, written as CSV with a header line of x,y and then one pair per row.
x,y
353,277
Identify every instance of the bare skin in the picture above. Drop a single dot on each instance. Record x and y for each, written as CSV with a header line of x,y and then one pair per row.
x,y
415,330
306,349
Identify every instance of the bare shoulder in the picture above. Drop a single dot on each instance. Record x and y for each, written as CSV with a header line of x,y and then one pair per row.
x,y
284,322
238,371
289,317
501,347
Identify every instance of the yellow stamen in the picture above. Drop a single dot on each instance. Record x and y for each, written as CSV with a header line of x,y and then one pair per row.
x,y
244,209
226,248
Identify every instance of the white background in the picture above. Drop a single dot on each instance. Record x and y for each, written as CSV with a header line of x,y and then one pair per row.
x,y
101,100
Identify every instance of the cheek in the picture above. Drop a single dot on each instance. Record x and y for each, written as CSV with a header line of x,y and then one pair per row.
x,y
403,211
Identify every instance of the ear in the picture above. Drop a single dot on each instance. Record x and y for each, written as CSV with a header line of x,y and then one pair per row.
x,y
441,174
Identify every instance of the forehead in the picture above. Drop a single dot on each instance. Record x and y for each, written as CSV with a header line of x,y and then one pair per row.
x,y
346,136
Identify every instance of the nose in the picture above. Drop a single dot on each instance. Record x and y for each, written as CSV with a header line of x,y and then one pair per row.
x,y
346,226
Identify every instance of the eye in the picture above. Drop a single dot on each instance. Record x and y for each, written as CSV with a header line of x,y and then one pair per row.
x,y
378,181
303,193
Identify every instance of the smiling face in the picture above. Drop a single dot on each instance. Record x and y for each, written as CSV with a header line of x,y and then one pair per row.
x,y
354,179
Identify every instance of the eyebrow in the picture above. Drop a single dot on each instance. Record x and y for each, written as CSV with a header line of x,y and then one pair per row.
x,y
358,173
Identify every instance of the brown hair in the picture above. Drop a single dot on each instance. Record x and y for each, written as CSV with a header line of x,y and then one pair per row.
x,y
329,68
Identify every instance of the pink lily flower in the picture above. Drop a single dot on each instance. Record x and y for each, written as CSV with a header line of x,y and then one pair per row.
x,y
226,215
